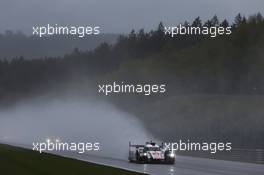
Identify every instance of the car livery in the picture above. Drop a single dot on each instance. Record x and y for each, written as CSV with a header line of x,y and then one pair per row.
x,y
150,153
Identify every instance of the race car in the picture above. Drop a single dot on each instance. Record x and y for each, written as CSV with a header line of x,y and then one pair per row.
x,y
150,153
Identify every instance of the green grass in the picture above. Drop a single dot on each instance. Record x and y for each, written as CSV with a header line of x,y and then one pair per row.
x,y
18,161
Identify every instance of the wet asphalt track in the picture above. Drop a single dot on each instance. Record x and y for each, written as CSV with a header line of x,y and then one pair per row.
x,y
183,166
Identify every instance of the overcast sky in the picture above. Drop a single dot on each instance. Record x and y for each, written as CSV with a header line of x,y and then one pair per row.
x,y
115,16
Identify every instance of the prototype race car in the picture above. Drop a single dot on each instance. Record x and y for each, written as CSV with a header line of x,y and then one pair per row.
x,y
150,153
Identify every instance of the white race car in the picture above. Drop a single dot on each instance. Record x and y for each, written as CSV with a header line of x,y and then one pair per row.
x,y
150,153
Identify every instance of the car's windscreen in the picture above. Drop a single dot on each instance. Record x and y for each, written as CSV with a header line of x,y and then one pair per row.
x,y
152,149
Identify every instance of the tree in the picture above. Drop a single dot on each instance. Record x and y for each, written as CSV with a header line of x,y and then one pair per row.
x,y
225,23
215,21
197,22
238,20
208,24
141,35
259,18
160,28
186,24
132,35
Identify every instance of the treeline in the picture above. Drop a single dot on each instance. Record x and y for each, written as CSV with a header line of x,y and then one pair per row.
x,y
15,44
188,64
227,64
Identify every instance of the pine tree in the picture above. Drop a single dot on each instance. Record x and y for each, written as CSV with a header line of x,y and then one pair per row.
x,y
238,20
215,21
197,22
224,23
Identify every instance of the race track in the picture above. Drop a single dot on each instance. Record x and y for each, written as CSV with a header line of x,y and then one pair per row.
x,y
183,166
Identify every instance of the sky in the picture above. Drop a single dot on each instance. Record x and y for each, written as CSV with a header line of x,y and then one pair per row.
x,y
117,16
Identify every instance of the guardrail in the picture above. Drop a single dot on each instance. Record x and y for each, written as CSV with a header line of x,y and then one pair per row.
x,y
242,155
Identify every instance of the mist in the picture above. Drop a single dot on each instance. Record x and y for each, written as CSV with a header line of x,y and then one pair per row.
x,y
23,14
72,120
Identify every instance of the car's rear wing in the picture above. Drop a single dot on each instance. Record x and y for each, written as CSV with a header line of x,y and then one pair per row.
x,y
133,145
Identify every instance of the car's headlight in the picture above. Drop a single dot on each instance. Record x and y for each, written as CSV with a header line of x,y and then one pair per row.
x,y
144,154
172,155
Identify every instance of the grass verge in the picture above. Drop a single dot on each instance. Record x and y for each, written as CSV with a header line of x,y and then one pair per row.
x,y
18,161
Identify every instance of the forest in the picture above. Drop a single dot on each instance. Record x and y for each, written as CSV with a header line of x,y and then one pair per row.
x,y
226,64
190,65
